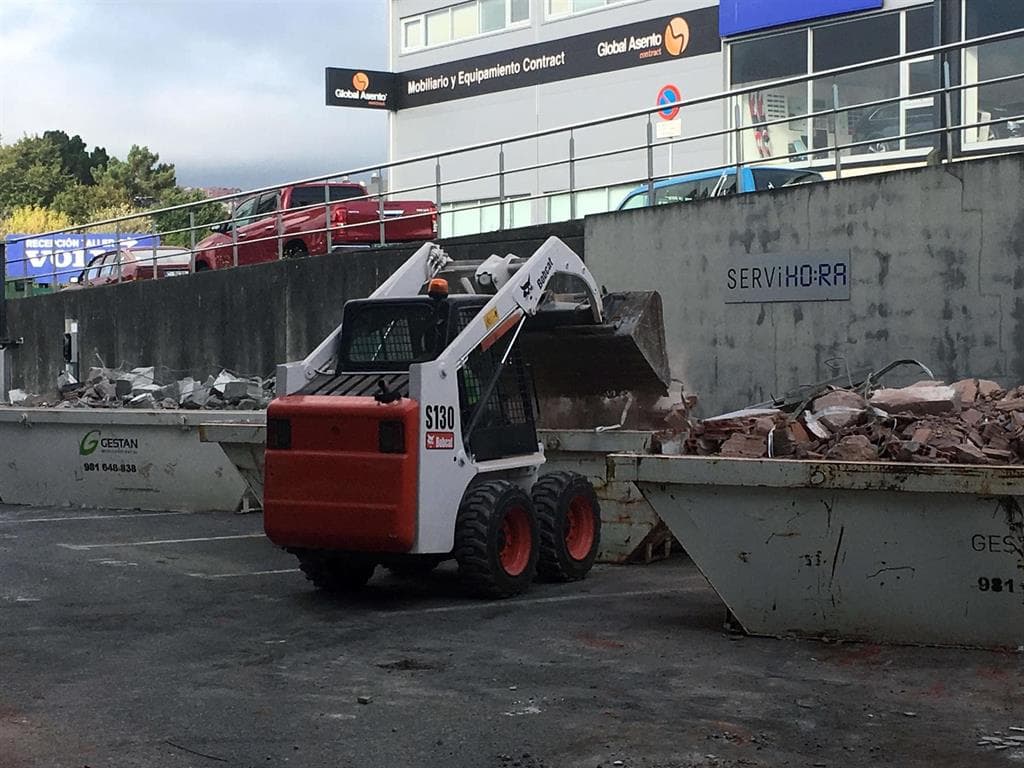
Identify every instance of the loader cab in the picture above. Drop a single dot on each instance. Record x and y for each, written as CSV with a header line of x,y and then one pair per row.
x,y
380,339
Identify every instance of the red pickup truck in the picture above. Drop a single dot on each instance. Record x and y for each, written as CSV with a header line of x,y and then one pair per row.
x,y
291,222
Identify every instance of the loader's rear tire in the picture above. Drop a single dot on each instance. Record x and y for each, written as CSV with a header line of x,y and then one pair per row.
x,y
569,522
335,571
496,540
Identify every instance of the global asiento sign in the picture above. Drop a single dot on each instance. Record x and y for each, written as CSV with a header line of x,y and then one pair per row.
x,y
364,88
654,41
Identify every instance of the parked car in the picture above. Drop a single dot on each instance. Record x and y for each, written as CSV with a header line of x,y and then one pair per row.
x,y
717,183
292,222
137,263
881,127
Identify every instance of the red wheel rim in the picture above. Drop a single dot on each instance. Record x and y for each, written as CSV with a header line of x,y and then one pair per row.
x,y
516,541
579,531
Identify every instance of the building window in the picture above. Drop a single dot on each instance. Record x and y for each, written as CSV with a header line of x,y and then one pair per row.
x,y
461,22
470,217
877,37
764,60
588,202
875,128
558,8
439,27
412,33
1000,104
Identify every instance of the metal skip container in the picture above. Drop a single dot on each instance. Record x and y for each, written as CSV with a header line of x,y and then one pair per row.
x,y
904,553
127,459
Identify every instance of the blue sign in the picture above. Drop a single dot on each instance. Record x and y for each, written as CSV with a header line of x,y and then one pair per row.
x,y
737,16
66,254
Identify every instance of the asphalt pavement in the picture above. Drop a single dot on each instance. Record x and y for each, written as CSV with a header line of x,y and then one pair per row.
x,y
175,640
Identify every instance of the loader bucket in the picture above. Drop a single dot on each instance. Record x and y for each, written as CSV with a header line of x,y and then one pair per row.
x,y
623,355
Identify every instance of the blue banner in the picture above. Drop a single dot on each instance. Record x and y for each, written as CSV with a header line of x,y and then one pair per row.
x,y
737,16
67,254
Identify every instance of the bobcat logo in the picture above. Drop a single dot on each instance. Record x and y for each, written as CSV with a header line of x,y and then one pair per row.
x,y
527,289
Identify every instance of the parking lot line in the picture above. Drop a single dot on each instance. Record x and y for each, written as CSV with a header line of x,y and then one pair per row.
x,y
89,517
161,541
239,575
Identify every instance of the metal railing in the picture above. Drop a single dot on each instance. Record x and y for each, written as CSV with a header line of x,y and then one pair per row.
x,y
438,188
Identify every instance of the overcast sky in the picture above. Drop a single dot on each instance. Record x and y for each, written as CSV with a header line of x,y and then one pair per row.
x,y
230,91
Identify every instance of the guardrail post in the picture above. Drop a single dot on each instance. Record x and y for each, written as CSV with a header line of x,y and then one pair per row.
x,y
437,184
650,160
117,248
278,226
234,238
737,149
380,204
327,216
192,242
948,107
835,128
156,235
501,187
572,176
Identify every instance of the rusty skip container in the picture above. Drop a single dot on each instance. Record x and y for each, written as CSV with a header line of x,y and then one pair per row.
x,y
904,553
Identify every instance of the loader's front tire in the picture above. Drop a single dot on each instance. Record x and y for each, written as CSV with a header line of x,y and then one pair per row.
x,y
335,572
496,540
569,523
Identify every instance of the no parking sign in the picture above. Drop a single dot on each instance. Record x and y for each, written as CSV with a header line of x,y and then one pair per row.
x,y
670,98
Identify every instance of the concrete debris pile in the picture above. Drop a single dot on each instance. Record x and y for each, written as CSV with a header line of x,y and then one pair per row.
x,y
140,388
973,421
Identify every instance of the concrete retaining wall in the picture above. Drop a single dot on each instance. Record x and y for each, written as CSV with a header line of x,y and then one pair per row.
x,y
936,261
936,265
247,319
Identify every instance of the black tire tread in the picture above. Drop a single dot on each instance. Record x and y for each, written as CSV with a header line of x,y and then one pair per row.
x,y
552,564
472,547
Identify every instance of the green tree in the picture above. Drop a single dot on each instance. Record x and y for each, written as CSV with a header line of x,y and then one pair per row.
x,y
141,175
82,203
30,173
75,160
137,223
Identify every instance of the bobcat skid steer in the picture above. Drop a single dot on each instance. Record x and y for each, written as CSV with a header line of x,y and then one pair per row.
x,y
409,435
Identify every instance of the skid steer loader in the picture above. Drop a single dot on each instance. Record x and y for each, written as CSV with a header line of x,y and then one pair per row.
x,y
409,435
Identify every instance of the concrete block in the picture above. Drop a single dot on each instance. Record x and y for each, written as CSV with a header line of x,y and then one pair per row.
x,y
853,448
234,390
105,389
143,375
223,379
926,400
